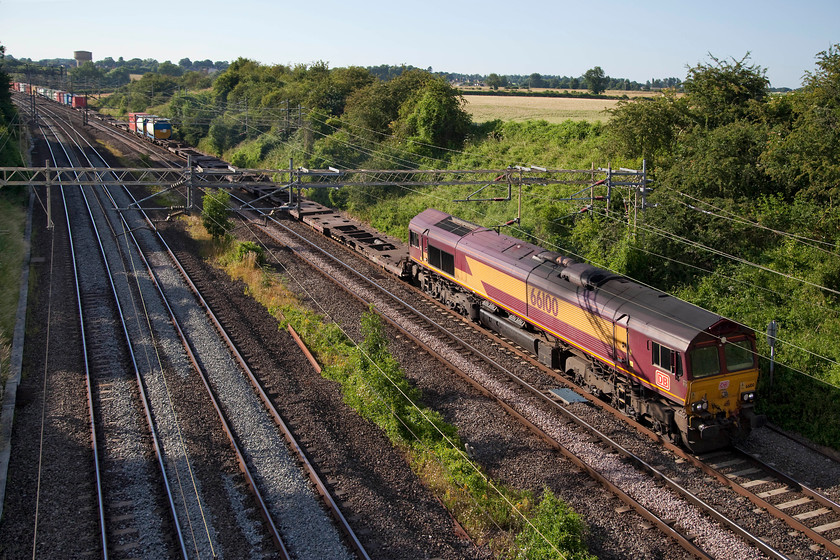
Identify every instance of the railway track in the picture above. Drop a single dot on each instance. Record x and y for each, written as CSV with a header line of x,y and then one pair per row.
x,y
56,472
310,471
803,509
690,534
125,493
461,356
335,479
225,411
313,412
312,474
122,526
827,524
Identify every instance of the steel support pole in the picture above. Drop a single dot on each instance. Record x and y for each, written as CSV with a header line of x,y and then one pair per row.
x,y
48,177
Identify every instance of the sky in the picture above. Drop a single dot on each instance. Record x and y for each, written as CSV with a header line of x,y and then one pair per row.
x,y
638,40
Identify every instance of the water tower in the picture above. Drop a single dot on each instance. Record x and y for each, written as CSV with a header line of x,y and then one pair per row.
x,y
82,57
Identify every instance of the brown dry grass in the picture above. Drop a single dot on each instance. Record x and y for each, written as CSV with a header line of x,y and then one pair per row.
x,y
262,284
485,108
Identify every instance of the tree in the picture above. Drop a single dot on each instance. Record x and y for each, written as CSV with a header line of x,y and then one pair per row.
x,y
722,162
214,215
596,80
722,92
494,81
804,153
192,113
648,127
87,72
535,80
117,77
371,109
205,64
226,131
434,117
7,110
196,80
168,69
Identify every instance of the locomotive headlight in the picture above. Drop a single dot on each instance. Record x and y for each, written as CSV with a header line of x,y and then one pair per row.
x,y
748,397
699,406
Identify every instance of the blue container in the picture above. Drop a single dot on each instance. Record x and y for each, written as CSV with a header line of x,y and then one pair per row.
x,y
157,127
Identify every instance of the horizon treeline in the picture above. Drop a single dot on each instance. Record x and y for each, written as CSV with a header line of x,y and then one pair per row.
x,y
111,73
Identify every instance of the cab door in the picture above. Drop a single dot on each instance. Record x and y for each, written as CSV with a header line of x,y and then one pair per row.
x,y
619,349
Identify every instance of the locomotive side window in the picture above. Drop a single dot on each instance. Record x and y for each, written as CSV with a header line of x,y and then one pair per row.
x,y
442,260
739,355
414,238
662,356
705,362
667,359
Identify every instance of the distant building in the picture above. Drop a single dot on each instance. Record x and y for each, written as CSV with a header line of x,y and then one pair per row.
x,y
82,57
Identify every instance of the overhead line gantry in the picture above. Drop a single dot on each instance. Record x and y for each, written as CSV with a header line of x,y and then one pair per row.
x,y
288,182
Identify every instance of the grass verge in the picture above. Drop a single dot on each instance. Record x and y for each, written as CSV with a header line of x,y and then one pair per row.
x,y
12,250
514,523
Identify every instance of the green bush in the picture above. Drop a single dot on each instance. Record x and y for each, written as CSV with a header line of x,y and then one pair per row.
x,y
249,249
215,216
553,527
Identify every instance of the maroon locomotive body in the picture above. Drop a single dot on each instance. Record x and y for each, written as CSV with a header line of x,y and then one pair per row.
x,y
689,372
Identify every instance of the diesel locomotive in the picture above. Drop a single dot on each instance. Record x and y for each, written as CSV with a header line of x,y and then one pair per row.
x,y
687,372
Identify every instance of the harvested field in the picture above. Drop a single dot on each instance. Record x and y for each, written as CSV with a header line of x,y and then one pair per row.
x,y
552,109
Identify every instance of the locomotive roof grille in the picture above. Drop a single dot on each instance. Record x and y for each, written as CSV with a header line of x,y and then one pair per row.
x,y
455,226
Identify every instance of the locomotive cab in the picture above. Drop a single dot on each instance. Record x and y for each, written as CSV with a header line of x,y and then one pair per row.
x,y
722,382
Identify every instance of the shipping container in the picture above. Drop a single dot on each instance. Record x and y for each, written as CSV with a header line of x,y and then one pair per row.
x,y
158,128
79,102
133,119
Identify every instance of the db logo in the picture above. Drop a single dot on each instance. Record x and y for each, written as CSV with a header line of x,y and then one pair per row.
x,y
662,380
724,385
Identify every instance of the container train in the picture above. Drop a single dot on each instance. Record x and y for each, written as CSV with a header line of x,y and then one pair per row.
x,y
57,95
151,126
